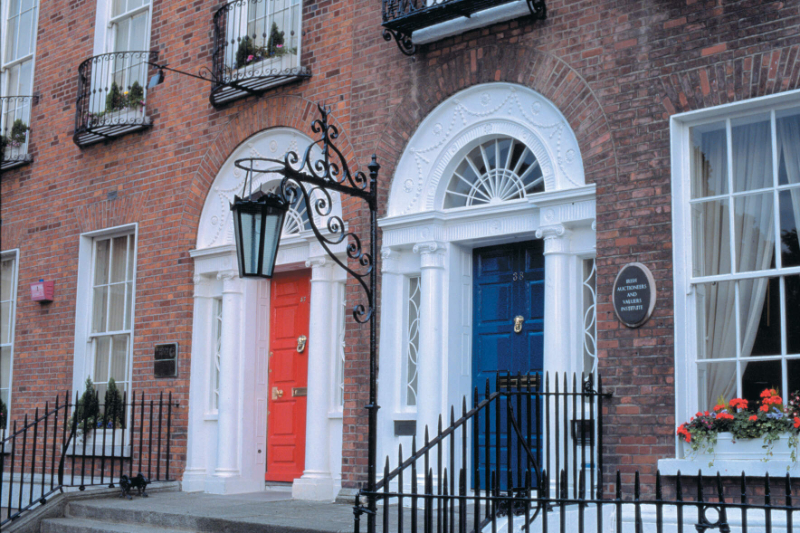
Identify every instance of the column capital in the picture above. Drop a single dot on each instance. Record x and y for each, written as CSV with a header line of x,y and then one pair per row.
x,y
231,282
554,238
390,261
431,254
321,268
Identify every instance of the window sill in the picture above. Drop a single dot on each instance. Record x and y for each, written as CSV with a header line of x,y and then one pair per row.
x,y
257,78
111,125
17,161
480,19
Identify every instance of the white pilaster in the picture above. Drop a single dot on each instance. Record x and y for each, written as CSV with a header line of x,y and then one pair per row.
x,y
429,364
196,457
317,482
229,386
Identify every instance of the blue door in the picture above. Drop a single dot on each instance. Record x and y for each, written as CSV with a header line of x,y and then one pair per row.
x,y
508,287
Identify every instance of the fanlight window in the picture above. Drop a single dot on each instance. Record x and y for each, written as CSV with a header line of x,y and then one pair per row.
x,y
496,171
296,219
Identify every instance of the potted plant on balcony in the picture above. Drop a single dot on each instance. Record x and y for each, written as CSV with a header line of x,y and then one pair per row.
x,y
250,53
16,137
134,98
735,427
115,100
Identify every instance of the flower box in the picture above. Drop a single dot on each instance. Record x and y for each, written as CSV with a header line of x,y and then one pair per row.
x,y
728,448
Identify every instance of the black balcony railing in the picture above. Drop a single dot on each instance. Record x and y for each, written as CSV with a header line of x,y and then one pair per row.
x,y
53,449
15,132
256,46
401,18
112,96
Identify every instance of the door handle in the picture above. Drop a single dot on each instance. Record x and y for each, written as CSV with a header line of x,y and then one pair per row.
x,y
301,343
518,320
276,393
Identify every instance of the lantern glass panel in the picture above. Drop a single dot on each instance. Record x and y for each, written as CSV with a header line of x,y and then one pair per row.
x,y
273,223
251,240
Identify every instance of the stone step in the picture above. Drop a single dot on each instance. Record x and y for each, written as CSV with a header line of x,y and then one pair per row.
x,y
82,525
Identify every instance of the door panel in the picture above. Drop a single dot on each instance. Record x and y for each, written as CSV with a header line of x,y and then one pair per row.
x,y
508,282
288,370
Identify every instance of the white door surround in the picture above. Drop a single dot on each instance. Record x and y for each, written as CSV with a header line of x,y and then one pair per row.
x,y
226,450
422,238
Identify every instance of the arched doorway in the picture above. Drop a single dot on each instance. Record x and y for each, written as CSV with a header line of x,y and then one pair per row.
x,y
239,429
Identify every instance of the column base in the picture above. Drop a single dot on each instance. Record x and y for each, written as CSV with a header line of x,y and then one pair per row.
x,y
194,480
315,488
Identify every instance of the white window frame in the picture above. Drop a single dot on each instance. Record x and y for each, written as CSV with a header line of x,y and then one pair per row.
x,y
404,383
686,375
105,24
216,356
83,364
11,254
5,67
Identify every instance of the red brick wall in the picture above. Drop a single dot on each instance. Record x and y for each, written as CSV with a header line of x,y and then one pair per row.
x,y
617,69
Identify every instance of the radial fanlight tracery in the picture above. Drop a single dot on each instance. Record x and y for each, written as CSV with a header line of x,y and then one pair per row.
x,y
296,219
498,170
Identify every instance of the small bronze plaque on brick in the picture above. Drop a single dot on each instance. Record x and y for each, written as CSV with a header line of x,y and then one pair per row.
x,y
634,295
165,360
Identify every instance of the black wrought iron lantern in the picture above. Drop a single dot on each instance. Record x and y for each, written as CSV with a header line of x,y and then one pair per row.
x,y
257,225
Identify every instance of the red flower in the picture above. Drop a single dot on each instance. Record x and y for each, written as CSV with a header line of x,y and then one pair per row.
x,y
724,416
796,423
688,438
764,408
699,414
739,403
753,418
719,407
706,413
766,393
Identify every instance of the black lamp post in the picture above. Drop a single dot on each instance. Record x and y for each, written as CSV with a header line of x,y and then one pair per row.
x,y
258,221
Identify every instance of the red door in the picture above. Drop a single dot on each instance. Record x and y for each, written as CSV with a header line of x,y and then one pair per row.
x,y
288,375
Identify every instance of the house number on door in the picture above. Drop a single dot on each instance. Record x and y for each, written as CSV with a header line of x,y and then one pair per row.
x,y
519,276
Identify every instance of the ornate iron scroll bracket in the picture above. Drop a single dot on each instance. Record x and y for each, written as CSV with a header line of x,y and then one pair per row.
x,y
403,41
313,179
538,9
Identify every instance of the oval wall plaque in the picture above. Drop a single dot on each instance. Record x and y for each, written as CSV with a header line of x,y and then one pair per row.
x,y
634,295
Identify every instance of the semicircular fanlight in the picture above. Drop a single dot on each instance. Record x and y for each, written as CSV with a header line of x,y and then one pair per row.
x,y
498,170
296,219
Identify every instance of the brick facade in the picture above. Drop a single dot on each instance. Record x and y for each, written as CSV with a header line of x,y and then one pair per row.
x,y
617,70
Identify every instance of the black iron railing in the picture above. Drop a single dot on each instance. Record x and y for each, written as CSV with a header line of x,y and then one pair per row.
x,y
15,132
519,426
256,46
698,504
58,447
112,90
401,18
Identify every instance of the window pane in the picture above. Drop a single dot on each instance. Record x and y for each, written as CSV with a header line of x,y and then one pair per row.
x,y
119,7
99,309
793,375
752,153
5,323
121,38
709,161
711,238
25,33
101,263
716,320
760,375
119,360
5,367
790,224
6,279
102,345
131,246
755,232
412,392
116,311
715,380
760,316
138,37
128,304
792,312
788,130
119,251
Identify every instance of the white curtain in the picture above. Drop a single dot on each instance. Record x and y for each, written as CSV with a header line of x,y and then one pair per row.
x,y
753,246
789,153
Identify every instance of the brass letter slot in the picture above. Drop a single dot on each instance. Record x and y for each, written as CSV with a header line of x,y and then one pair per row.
x,y
300,391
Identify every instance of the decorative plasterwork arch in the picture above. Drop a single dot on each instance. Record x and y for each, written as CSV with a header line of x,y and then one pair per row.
x,y
481,111
215,227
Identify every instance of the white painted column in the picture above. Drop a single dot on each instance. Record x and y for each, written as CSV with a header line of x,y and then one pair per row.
x,y
229,385
196,458
317,482
429,364
557,326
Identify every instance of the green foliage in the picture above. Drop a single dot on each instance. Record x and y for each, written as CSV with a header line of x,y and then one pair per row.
x,y
3,414
89,415
135,97
247,48
18,130
87,408
113,408
115,100
275,41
